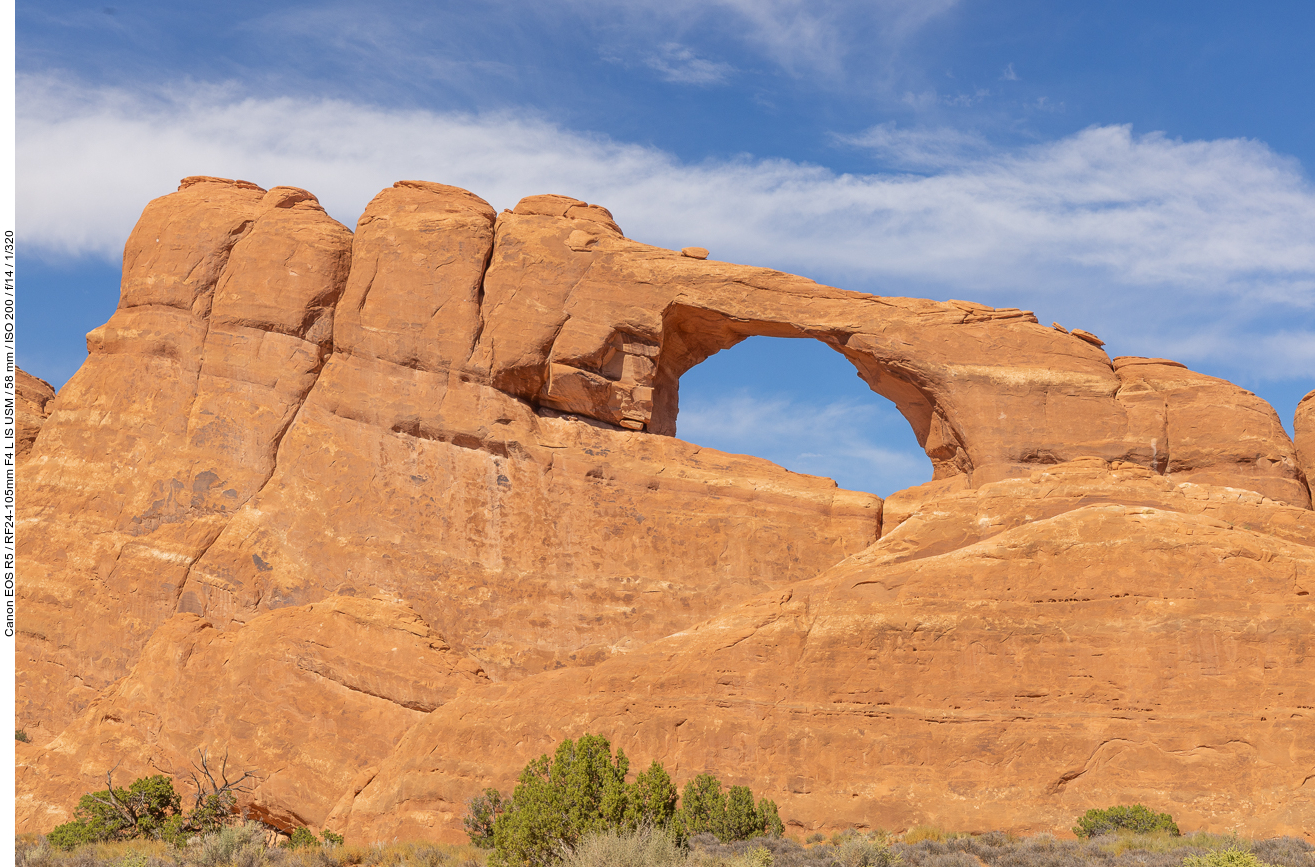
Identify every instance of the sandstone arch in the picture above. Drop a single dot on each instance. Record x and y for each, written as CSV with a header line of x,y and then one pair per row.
x,y
990,393
454,417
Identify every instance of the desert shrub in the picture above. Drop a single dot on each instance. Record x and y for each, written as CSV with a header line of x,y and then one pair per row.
x,y
707,851
863,852
729,817
651,800
37,852
1284,852
482,811
304,838
557,801
1224,858
301,838
815,837
20,735
582,790
645,846
241,844
1123,818
149,807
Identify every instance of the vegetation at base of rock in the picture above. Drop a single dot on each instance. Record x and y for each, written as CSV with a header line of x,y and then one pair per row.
x,y
729,817
642,847
244,845
481,812
1224,858
150,809
1136,818
304,838
582,790
20,735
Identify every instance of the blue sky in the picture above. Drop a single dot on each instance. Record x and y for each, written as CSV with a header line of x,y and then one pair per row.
x,y
1142,171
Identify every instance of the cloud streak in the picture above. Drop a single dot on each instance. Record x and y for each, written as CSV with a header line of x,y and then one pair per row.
x,y
1109,229
680,65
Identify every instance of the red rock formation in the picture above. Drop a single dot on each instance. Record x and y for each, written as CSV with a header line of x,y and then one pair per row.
x,y
168,428
344,678
1005,659
1102,595
33,397
1304,431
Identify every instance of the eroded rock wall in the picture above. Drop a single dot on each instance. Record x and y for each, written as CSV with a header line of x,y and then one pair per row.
x,y
172,423
1304,435
411,495
1005,659
33,398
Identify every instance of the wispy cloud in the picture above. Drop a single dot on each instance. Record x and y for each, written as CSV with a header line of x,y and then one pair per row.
x,y
798,36
919,148
1104,229
677,63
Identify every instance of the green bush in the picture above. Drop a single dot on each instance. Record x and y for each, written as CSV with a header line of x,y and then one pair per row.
x,y
302,838
147,808
733,816
582,790
651,800
482,811
150,809
20,735
1135,818
1224,858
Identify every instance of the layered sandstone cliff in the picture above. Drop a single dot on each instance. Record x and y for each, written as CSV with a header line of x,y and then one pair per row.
x,y
385,514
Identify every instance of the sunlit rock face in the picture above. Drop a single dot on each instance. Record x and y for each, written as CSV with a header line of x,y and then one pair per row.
x,y
385,514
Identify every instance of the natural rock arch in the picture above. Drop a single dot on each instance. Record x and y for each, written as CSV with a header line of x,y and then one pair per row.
x,y
692,335
282,412
990,393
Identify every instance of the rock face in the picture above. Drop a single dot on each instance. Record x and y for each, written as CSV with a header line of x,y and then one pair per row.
x,y
973,669
1304,428
387,514
33,398
345,677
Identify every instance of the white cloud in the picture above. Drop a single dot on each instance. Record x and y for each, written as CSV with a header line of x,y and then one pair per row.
x,y
1140,234
678,64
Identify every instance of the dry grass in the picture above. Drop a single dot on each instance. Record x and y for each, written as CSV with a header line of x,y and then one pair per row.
x,y
1162,841
920,847
239,852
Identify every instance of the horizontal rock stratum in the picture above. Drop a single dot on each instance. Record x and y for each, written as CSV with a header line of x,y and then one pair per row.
x,y
385,514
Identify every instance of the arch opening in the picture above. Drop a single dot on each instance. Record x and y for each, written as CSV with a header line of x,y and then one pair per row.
x,y
801,404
